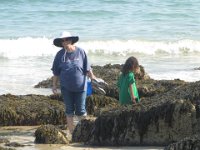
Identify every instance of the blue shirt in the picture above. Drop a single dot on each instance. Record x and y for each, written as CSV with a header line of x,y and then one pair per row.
x,y
72,68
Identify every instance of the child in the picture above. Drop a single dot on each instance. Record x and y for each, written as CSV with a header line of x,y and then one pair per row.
x,y
128,93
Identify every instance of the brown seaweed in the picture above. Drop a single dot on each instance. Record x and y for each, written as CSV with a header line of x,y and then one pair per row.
x,y
49,134
30,110
188,143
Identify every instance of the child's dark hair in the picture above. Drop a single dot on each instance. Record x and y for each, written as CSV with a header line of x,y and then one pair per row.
x,y
128,66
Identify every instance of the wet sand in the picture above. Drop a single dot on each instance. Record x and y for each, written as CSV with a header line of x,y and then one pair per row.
x,y
25,135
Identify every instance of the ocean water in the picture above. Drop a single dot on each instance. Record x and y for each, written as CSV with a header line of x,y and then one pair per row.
x,y
163,35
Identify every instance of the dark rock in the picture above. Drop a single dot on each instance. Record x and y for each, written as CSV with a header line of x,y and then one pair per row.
x,y
83,130
49,134
109,73
30,110
198,68
158,125
189,143
95,103
148,88
38,109
46,83
157,120
57,97
112,91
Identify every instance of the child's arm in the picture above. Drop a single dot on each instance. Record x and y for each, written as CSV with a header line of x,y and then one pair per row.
x,y
132,94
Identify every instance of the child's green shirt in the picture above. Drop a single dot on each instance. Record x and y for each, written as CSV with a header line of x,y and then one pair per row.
x,y
124,92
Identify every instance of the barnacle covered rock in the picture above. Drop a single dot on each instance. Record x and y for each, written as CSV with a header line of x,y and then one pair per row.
x,y
49,134
30,110
188,143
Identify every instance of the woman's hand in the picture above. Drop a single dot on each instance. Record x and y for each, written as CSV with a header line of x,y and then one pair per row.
x,y
55,81
91,75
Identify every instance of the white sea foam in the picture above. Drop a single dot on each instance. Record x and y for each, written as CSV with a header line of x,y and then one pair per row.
x,y
14,48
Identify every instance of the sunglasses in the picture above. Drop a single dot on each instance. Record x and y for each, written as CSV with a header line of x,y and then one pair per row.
x,y
66,39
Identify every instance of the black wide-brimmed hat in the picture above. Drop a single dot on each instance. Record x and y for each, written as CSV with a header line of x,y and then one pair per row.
x,y
65,35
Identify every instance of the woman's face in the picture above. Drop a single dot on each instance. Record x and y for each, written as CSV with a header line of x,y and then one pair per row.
x,y
66,43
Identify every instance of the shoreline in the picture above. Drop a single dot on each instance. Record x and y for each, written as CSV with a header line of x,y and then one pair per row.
x,y
25,135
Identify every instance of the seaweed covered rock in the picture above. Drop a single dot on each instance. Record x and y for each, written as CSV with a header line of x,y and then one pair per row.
x,y
30,110
189,143
95,103
49,134
83,130
57,97
109,73
160,125
46,83
147,88
157,120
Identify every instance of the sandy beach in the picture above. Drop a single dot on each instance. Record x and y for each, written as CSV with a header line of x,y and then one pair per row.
x,y
24,135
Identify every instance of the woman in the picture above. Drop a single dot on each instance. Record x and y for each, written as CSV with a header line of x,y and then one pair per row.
x,y
72,67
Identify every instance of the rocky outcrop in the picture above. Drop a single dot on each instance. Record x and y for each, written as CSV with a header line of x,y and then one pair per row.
x,y
157,120
38,109
197,68
46,83
144,126
97,103
189,143
149,87
30,110
83,130
109,73
49,134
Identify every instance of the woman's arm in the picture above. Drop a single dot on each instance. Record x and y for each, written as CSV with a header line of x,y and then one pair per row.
x,y
132,94
55,83
91,75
